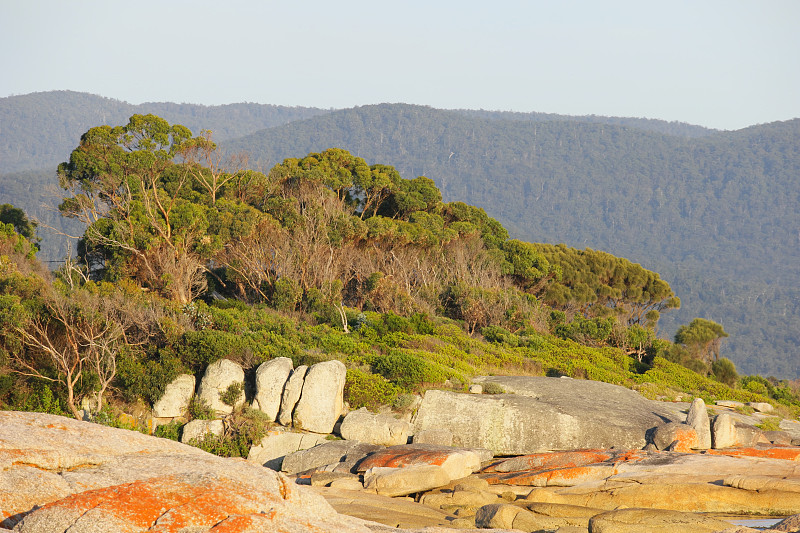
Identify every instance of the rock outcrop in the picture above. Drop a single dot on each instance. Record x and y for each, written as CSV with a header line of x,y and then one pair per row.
x,y
543,414
58,474
382,429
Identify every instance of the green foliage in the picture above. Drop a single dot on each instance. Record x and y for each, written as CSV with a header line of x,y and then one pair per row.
x,y
702,338
362,389
146,377
592,332
232,394
408,371
171,431
772,423
200,410
725,371
493,388
244,429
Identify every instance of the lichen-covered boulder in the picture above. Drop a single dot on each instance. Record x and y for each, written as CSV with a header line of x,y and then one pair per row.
x,y
698,419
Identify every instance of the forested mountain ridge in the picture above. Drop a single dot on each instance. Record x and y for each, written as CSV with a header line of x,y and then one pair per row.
x,y
40,129
716,213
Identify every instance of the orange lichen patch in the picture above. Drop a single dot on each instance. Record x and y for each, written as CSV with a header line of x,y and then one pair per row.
x,y
788,454
552,460
562,477
631,456
686,440
56,426
405,455
167,503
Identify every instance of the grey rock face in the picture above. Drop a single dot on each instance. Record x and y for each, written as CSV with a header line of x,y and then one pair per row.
x,y
176,397
543,414
321,401
367,427
270,380
197,429
344,453
218,377
698,419
291,394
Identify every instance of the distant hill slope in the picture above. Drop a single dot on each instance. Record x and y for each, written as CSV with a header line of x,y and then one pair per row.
x,y
41,129
718,215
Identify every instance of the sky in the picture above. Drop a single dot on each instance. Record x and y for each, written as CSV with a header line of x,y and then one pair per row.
x,y
723,64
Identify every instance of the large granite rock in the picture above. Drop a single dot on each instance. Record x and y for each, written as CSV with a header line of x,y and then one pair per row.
x,y
198,429
338,455
59,474
270,379
218,377
654,521
176,397
543,414
321,401
382,429
276,445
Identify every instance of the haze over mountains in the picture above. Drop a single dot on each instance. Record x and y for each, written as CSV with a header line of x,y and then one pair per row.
x,y
717,214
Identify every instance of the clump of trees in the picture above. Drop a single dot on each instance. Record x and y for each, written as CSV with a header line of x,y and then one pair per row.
x,y
168,222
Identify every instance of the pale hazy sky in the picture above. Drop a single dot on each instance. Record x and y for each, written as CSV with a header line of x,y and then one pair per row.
x,y
724,63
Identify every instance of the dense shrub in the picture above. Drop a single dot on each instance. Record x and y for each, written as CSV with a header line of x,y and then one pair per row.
x,y
362,389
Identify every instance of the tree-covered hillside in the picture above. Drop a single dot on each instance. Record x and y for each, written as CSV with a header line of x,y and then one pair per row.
x,y
716,213
718,210
183,262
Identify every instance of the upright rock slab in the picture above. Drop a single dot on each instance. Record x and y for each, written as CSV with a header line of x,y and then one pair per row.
x,y
321,401
270,380
698,419
176,397
291,395
543,414
218,377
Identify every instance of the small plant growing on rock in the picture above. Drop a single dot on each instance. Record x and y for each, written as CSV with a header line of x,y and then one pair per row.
x,y
772,423
493,388
200,410
170,431
232,394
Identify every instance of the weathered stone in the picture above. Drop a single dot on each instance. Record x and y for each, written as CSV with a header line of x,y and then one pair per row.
x,y
392,512
676,436
654,521
778,437
385,430
270,379
321,401
476,389
761,407
176,397
542,414
723,434
747,435
389,481
497,515
88,477
198,429
324,479
698,419
276,445
789,524
345,452
457,463
218,377
730,404
291,394
439,437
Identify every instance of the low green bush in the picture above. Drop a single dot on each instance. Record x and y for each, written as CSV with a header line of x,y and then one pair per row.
x,y
362,389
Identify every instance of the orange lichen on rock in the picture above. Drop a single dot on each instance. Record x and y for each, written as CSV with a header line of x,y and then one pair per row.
x,y
551,460
560,477
405,455
777,452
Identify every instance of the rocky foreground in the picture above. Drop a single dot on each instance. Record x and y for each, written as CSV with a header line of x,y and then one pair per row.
x,y
565,456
